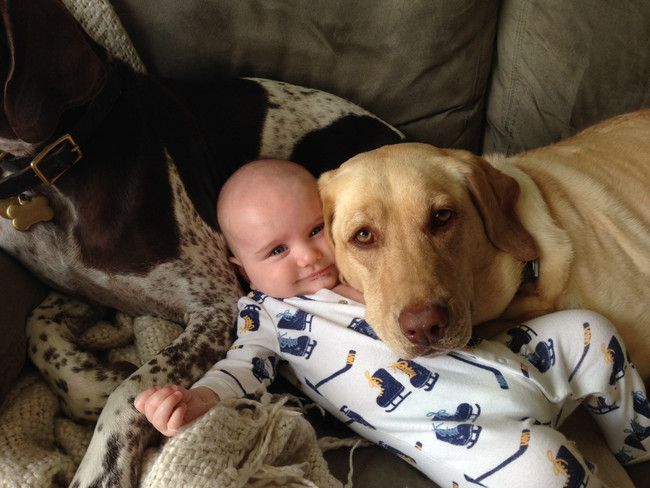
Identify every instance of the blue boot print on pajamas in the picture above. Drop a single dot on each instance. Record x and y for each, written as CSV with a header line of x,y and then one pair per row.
x,y
251,317
297,321
258,296
464,412
641,405
299,346
565,464
623,456
544,356
391,391
614,354
419,376
600,406
361,326
637,434
465,435
521,335
260,370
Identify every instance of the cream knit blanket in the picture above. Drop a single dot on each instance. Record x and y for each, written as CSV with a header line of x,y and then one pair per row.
x,y
100,21
239,443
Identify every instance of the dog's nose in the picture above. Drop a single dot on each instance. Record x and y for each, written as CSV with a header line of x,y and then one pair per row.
x,y
423,324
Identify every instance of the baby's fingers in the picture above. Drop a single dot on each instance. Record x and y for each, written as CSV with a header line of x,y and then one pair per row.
x,y
176,420
161,411
142,398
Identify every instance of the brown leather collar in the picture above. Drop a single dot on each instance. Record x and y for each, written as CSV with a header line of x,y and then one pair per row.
x,y
60,155
46,167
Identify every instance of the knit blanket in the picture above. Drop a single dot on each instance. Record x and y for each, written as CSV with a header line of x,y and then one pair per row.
x,y
239,443
99,20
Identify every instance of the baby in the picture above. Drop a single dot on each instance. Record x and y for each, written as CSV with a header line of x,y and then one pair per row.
x,y
486,415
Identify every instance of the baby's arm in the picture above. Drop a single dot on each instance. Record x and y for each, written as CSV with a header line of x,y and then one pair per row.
x,y
169,408
349,292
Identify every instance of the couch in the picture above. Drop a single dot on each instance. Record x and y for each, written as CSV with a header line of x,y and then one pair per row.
x,y
487,76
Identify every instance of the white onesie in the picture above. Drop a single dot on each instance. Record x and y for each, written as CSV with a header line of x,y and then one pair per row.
x,y
482,416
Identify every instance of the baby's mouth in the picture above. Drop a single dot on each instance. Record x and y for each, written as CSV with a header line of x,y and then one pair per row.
x,y
320,272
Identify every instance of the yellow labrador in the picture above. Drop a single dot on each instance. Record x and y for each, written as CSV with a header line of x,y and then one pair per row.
x,y
441,240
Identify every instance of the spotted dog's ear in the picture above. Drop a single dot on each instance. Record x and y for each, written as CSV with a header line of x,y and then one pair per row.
x,y
495,194
47,66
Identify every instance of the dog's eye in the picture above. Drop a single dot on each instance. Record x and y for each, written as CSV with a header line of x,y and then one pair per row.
x,y
441,217
364,237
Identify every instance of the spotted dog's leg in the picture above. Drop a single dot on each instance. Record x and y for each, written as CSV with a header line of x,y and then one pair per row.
x,y
122,433
199,281
57,333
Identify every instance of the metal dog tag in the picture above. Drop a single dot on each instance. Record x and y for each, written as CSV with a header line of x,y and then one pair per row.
x,y
28,211
5,204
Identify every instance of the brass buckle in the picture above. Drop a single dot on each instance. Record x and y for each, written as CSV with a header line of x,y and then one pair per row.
x,y
56,145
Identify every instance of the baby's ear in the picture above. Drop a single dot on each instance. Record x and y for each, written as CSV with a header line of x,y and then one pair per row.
x,y
237,266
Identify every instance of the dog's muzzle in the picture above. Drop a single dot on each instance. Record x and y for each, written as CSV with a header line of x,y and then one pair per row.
x,y
424,325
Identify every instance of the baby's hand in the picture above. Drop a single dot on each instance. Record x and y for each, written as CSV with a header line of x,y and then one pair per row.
x,y
169,408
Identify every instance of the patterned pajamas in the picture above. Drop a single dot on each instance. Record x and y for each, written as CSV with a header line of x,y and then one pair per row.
x,y
483,416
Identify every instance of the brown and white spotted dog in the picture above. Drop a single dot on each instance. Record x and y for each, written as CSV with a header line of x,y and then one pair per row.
x,y
132,223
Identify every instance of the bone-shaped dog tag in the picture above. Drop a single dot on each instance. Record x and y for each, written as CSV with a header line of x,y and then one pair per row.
x,y
29,212
5,204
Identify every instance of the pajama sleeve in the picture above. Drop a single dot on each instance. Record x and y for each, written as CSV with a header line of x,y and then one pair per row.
x,y
250,364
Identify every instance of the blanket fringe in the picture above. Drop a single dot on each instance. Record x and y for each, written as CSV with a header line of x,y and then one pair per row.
x,y
244,443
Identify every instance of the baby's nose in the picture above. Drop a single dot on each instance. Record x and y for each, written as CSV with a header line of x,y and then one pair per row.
x,y
310,255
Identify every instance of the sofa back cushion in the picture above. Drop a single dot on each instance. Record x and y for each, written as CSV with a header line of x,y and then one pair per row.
x,y
563,65
420,65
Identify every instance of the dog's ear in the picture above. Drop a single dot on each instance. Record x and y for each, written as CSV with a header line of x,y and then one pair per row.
x,y
495,194
327,197
47,67
328,204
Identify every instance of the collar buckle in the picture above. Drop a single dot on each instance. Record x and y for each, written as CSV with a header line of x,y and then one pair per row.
x,y
64,151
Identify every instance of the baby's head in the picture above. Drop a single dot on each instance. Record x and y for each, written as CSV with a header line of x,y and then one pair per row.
x,y
271,215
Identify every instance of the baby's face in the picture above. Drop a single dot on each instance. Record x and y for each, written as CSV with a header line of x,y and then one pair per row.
x,y
281,245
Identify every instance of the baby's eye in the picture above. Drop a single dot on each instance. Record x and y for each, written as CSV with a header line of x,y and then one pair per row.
x,y
316,230
277,250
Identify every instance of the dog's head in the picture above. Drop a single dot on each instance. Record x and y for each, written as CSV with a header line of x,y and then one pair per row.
x,y
430,237
47,66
